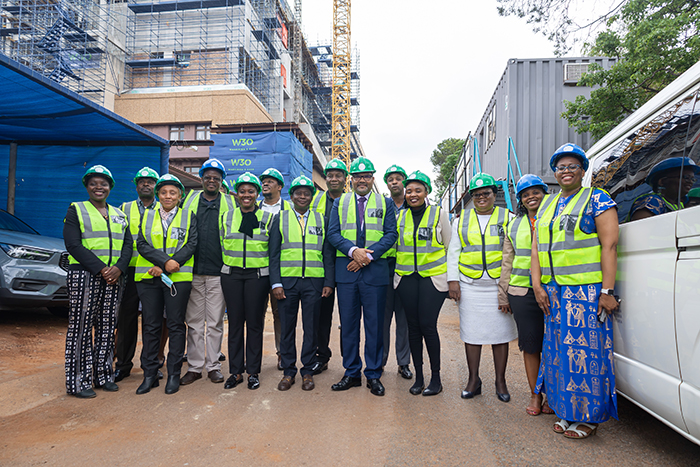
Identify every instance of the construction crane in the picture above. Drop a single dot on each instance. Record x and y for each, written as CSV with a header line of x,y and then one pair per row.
x,y
340,118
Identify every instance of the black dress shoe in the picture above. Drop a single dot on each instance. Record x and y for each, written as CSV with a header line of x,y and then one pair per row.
x,y
173,384
502,396
346,383
253,382
121,374
222,357
319,367
279,363
417,388
405,372
85,394
148,383
160,374
375,386
469,394
108,386
432,392
233,381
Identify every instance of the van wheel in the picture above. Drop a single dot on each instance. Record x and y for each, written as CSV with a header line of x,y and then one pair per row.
x,y
59,311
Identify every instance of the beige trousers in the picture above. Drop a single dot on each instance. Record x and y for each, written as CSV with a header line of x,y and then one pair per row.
x,y
205,323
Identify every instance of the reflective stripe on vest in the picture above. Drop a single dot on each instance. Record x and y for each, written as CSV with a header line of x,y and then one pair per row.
x,y
104,238
426,256
176,237
240,250
520,235
301,255
131,209
375,210
392,251
575,256
482,252
318,204
192,203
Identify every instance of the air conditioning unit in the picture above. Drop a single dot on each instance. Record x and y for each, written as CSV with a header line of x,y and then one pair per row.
x,y
573,72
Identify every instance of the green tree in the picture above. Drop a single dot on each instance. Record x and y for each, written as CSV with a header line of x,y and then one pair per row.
x,y
444,160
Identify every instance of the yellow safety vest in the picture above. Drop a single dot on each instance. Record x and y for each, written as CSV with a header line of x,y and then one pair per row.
x,y
239,250
520,235
133,214
301,252
426,255
318,203
566,253
191,203
104,238
170,242
482,252
375,211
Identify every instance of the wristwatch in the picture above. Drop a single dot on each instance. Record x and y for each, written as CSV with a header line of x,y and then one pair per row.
x,y
610,292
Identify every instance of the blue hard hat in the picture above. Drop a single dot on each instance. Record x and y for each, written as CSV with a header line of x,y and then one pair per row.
x,y
658,170
569,149
528,181
213,164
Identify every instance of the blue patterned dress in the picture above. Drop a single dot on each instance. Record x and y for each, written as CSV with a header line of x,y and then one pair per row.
x,y
577,370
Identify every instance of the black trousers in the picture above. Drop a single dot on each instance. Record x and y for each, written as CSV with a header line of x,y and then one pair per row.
x,y
128,324
422,302
323,331
154,296
246,296
309,294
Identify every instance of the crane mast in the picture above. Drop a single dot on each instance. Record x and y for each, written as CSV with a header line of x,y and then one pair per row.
x,y
340,119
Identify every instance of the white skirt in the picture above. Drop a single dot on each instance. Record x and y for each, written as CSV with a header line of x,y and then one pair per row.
x,y
480,320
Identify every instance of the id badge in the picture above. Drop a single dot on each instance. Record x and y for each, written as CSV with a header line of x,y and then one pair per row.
x,y
316,230
375,212
425,233
178,233
568,223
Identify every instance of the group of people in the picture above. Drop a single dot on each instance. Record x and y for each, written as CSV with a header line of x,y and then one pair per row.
x,y
545,276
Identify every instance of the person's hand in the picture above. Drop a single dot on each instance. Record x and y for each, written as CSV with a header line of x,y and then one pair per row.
x,y
155,271
542,299
111,274
360,255
172,266
607,303
327,291
354,266
278,293
455,293
505,308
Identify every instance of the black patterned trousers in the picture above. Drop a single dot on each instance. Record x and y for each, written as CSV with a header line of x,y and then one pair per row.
x,y
93,305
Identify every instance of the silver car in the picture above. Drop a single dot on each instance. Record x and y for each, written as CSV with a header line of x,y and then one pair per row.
x,y
32,268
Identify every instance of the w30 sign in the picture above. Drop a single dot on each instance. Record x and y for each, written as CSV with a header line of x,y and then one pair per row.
x,y
241,162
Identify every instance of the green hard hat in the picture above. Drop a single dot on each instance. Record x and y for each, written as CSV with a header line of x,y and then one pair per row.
x,y
481,180
300,181
227,188
419,176
146,172
100,170
168,179
248,177
273,173
395,169
694,193
361,165
336,164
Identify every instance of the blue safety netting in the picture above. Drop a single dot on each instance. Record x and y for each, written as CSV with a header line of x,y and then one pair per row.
x,y
255,152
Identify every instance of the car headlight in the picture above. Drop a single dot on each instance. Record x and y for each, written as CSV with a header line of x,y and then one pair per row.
x,y
26,252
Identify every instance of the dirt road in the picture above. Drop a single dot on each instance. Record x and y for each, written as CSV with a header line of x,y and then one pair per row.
x,y
204,424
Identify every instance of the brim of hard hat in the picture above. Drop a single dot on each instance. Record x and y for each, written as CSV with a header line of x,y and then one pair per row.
x,y
584,160
168,182
202,171
651,179
409,180
312,188
105,176
263,177
257,188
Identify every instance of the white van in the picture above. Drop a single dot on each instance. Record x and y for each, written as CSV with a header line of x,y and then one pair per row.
x,y
657,330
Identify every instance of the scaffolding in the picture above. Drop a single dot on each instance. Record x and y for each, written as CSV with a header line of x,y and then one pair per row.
x,y
77,43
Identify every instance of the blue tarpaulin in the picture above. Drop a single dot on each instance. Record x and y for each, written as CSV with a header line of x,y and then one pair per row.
x,y
255,152
59,134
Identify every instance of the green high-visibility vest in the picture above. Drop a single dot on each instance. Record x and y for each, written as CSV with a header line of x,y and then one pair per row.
x,y
520,235
302,252
104,238
192,202
425,255
318,203
375,210
566,253
170,242
131,208
482,252
239,250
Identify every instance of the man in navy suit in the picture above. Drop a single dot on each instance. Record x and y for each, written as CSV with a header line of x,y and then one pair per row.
x,y
362,228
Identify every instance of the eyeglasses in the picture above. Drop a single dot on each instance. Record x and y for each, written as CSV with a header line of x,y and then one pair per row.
x,y
212,179
482,195
567,168
362,177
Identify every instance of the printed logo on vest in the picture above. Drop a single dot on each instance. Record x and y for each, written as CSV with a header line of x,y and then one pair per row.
x,y
425,233
316,230
119,220
178,233
376,212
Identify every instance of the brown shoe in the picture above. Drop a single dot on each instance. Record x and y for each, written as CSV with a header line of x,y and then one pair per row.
x,y
286,383
190,378
308,383
216,376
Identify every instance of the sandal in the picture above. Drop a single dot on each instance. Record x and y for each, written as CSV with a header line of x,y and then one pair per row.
x,y
546,409
534,411
561,426
580,434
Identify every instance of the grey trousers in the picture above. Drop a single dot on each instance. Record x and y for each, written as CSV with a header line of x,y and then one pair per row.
x,y
395,309
205,323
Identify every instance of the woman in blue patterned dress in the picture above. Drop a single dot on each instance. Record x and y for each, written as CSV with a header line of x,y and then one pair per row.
x,y
575,258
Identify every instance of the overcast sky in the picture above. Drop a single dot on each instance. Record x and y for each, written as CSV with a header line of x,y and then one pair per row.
x,y
428,69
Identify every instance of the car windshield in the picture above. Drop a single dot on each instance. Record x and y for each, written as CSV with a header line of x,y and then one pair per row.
x,y
10,222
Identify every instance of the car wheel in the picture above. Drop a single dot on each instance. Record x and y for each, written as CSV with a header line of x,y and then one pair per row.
x,y
59,311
